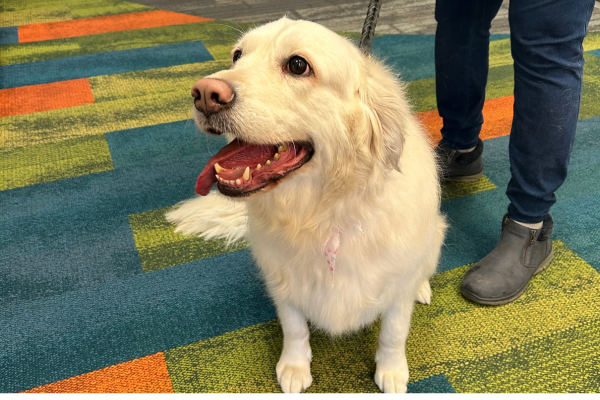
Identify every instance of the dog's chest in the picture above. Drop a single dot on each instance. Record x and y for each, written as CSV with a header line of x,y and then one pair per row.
x,y
346,297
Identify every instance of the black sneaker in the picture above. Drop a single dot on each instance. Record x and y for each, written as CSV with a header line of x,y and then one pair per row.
x,y
460,167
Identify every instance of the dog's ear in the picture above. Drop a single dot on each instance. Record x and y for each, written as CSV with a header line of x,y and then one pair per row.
x,y
387,112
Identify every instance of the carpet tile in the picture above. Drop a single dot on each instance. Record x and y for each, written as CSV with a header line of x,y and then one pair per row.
x,y
144,375
497,112
125,319
36,269
45,13
217,37
565,361
453,190
48,162
160,143
412,55
33,9
500,53
104,24
169,80
9,35
44,97
113,62
446,336
99,294
434,384
162,104
590,106
422,92
160,247
18,12
99,8
18,53
592,41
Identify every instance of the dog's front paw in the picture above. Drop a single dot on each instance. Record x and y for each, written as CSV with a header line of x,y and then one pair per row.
x,y
293,378
391,381
424,293
391,374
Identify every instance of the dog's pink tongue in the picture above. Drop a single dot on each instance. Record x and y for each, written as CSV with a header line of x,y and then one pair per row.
x,y
235,154
207,177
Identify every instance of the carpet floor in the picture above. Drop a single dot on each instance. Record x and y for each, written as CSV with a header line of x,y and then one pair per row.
x,y
99,294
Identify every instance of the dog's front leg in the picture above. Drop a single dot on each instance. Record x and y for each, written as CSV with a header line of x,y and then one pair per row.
x,y
293,368
391,374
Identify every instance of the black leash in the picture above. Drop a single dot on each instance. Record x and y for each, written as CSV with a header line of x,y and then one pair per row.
x,y
366,39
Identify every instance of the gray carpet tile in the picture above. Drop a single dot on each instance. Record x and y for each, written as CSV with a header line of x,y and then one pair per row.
x,y
397,16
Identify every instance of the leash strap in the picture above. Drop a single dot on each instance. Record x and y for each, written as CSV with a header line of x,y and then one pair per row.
x,y
366,40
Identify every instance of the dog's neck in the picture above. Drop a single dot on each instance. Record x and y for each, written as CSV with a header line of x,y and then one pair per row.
x,y
313,207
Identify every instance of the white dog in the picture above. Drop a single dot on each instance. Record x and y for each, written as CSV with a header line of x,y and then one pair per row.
x,y
337,189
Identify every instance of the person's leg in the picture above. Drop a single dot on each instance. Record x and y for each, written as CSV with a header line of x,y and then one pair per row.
x,y
461,67
546,40
546,43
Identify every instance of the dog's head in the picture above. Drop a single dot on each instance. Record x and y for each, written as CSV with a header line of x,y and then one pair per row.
x,y
298,97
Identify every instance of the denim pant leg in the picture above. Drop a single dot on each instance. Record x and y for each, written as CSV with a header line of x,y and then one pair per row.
x,y
546,43
461,66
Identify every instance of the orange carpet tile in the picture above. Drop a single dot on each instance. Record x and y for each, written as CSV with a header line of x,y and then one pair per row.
x,y
109,23
497,116
44,97
144,375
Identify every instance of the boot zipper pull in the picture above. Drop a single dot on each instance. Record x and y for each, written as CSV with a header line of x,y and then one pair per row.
x,y
531,240
532,236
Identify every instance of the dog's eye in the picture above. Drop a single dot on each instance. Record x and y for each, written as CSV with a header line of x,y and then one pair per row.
x,y
236,55
298,66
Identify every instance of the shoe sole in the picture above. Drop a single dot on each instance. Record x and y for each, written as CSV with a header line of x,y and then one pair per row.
x,y
464,179
543,265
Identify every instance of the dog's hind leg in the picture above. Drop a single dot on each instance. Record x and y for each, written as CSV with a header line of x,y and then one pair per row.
x,y
391,374
211,217
293,368
424,293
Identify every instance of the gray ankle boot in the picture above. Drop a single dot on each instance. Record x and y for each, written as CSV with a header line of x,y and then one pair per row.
x,y
502,276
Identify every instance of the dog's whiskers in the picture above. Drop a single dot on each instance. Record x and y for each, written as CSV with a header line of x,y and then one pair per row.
x,y
241,32
293,144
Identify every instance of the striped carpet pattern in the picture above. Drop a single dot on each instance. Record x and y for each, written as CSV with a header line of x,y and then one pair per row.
x,y
99,294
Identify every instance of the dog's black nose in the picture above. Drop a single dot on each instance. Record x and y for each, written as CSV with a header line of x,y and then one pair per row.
x,y
212,95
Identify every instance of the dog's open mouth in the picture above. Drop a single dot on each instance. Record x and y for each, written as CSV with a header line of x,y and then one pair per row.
x,y
240,168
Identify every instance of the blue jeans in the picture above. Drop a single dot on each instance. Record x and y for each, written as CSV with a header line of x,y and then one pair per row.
x,y
546,42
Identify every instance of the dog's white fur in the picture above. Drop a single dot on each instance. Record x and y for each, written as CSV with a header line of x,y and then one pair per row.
x,y
372,166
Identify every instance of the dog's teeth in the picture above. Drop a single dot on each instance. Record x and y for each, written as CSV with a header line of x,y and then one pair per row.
x,y
283,148
268,163
246,175
238,182
276,157
258,166
218,168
